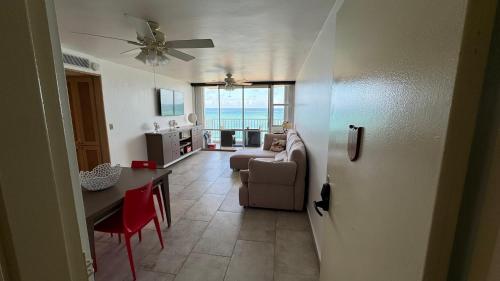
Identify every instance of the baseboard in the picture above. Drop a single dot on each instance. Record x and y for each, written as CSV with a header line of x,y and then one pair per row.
x,y
316,243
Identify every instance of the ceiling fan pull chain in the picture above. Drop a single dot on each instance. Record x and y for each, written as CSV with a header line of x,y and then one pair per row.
x,y
154,75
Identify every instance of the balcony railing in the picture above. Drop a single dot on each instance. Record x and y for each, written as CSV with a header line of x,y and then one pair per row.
x,y
214,126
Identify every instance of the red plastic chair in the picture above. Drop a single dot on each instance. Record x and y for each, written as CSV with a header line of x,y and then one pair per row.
x,y
136,164
138,210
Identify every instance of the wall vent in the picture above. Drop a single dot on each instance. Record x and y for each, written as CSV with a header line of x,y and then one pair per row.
x,y
76,61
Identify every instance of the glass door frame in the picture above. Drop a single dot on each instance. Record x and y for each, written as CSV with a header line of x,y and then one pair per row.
x,y
270,107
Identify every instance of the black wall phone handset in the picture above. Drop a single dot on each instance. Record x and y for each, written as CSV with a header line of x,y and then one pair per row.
x,y
325,199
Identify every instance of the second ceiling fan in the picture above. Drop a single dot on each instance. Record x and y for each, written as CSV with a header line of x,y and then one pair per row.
x,y
230,83
153,45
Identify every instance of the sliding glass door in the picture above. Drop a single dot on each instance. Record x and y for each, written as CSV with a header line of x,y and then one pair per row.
x,y
247,107
256,108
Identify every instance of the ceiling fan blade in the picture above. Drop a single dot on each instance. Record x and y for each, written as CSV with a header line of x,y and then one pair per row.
x,y
188,44
131,50
243,84
142,28
215,83
180,55
109,37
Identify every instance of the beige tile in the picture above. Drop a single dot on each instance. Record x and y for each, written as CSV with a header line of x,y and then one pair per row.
x,y
211,173
179,207
113,265
231,203
183,236
220,188
293,221
294,277
258,225
295,253
150,243
221,234
175,188
143,275
184,179
229,173
199,250
251,261
205,208
202,267
195,190
164,261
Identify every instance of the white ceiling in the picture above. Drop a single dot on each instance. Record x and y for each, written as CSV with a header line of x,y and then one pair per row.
x,y
257,40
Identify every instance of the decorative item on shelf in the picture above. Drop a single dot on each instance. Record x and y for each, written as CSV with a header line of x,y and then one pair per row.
x,y
286,126
172,124
207,136
193,118
101,177
157,127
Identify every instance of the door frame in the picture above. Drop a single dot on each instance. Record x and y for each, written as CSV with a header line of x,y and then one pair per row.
x,y
100,114
471,71
56,247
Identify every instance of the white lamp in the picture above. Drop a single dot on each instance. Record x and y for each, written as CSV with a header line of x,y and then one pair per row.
x,y
192,118
286,126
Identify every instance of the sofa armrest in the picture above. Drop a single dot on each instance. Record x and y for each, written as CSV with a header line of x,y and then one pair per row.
x,y
268,139
244,174
271,172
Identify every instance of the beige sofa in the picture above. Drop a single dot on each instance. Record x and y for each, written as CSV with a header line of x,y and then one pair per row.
x,y
239,160
268,183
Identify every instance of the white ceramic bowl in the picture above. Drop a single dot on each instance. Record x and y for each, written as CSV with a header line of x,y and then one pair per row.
x,y
101,177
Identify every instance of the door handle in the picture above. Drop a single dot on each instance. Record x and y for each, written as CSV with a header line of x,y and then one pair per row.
x,y
325,199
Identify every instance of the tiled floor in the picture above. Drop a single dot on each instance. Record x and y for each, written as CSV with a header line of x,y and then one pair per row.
x,y
212,237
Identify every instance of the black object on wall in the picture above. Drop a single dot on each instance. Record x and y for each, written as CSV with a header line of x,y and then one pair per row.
x,y
354,142
325,199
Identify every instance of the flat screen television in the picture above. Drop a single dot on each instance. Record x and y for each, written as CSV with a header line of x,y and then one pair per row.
x,y
170,103
178,103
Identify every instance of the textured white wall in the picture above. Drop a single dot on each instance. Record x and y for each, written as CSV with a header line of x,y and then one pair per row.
x,y
313,90
130,104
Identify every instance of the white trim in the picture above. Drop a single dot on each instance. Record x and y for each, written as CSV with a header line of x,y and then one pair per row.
x,y
316,242
181,158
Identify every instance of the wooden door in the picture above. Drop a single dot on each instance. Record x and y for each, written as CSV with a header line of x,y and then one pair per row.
x,y
87,114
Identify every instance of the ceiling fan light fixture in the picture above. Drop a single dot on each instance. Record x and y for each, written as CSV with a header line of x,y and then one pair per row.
x,y
152,57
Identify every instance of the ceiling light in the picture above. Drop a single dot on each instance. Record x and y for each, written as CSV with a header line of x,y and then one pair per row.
x,y
152,57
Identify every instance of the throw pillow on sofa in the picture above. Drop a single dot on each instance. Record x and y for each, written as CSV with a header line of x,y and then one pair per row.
x,y
278,145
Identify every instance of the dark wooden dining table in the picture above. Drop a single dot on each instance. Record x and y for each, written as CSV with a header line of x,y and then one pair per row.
x,y
100,204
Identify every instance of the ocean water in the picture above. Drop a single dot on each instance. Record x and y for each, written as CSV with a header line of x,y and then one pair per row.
x,y
232,118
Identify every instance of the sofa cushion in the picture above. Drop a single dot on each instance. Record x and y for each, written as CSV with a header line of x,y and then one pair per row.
x,y
292,139
282,156
239,159
253,153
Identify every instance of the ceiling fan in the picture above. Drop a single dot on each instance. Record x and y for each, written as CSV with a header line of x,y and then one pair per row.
x,y
153,46
230,83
